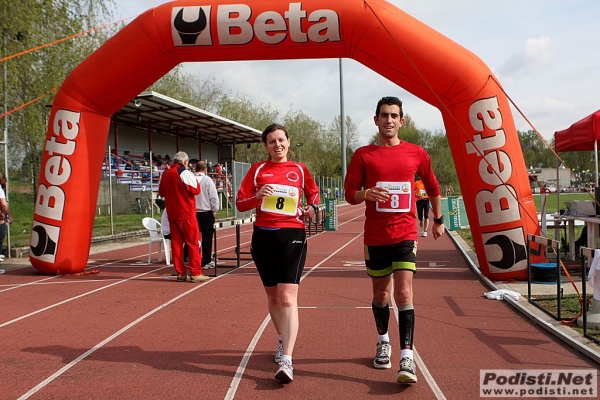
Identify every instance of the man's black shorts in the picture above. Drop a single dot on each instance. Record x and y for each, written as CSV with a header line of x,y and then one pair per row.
x,y
384,260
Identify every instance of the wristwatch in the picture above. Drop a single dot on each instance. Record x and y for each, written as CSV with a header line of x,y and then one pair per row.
x,y
439,220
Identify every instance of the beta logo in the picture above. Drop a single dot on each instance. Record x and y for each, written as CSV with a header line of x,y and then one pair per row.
x,y
191,26
44,239
505,250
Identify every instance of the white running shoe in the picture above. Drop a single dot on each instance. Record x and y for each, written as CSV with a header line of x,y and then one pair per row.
x,y
424,233
407,372
382,357
285,373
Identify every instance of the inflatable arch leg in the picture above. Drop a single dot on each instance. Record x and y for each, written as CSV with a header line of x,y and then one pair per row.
x,y
476,113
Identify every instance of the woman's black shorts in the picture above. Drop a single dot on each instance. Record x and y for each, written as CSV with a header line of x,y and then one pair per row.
x,y
279,254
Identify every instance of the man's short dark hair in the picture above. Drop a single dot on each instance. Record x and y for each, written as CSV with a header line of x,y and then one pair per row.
x,y
390,101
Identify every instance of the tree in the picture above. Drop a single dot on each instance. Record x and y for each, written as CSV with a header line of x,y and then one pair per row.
x,y
27,24
535,151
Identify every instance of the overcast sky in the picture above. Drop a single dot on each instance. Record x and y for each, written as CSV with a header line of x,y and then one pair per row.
x,y
544,52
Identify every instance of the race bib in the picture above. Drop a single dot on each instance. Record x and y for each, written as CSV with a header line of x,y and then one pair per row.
x,y
422,193
283,200
400,197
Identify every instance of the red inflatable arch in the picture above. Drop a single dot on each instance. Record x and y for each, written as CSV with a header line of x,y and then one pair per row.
x,y
478,121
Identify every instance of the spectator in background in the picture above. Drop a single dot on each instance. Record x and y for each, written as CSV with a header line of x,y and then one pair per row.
x,y
449,191
207,205
5,217
218,170
422,201
179,187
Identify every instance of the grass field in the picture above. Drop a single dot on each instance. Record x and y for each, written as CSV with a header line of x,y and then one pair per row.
x,y
551,208
551,201
21,204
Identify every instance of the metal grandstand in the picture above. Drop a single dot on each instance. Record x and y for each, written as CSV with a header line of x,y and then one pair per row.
x,y
160,113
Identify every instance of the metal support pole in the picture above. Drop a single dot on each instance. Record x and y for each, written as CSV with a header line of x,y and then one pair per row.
x,y
342,124
110,192
596,160
5,145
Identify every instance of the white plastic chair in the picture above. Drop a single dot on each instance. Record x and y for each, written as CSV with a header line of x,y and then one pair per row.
x,y
156,236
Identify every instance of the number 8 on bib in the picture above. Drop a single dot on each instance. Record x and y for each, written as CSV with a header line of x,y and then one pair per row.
x,y
283,200
400,197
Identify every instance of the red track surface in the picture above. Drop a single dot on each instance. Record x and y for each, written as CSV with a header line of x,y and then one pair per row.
x,y
132,332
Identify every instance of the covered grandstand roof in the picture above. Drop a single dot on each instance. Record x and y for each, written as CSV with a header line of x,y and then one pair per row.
x,y
160,113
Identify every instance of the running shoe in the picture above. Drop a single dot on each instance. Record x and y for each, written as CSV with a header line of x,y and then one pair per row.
x,y
424,233
407,372
285,373
382,358
183,278
279,352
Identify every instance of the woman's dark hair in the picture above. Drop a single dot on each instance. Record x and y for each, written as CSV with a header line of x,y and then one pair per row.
x,y
273,128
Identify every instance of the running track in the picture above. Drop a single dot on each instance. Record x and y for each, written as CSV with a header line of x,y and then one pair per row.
x,y
132,332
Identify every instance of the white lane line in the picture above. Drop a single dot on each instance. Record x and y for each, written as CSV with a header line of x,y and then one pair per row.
x,y
70,365
235,382
109,264
422,367
243,363
74,298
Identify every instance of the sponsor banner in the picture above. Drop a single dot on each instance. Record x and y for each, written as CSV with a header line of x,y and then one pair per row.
x,y
331,216
479,125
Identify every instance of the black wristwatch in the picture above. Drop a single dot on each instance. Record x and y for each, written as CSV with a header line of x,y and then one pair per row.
x,y
315,207
439,220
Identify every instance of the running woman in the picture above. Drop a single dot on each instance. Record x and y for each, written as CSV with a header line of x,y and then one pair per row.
x,y
274,188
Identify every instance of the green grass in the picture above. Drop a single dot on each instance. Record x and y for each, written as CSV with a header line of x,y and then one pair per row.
x,y
467,236
21,208
569,307
551,208
551,200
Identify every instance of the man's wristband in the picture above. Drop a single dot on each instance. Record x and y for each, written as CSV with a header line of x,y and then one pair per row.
x,y
439,220
315,207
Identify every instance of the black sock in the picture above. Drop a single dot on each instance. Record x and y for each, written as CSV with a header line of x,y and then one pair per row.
x,y
406,322
382,317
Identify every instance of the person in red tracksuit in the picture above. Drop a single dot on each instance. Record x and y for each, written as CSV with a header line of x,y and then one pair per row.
x,y
274,188
179,188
